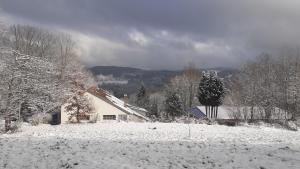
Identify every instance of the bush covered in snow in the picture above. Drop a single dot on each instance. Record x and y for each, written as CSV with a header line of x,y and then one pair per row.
x,y
37,119
14,127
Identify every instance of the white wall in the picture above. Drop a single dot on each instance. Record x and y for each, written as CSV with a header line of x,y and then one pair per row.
x,y
103,108
64,115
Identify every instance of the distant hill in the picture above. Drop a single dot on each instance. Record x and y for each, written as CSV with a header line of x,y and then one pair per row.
x,y
114,70
126,80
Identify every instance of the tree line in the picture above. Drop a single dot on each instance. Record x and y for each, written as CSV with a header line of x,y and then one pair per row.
x,y
268,87
184,91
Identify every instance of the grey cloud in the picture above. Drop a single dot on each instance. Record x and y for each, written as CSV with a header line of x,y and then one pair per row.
x,y
246,27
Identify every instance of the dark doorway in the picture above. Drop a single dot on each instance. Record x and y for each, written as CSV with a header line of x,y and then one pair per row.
x,y
55,118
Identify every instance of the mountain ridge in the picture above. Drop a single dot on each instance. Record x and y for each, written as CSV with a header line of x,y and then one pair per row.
x,y
126,80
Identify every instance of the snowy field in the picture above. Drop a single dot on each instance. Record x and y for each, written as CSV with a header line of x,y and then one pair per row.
x,y
149,145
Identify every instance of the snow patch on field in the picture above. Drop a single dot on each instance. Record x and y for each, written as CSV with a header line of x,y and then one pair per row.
x,y
149,145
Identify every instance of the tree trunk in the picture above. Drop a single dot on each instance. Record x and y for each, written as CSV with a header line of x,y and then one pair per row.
x,y
216,111
252,113
190,95
293,112
7,124
77,115
208,112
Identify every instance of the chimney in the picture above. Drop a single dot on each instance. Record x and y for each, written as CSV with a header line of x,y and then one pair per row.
x,y
125,99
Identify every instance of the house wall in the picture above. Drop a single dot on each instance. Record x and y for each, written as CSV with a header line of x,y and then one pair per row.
x,y
64,114
104,108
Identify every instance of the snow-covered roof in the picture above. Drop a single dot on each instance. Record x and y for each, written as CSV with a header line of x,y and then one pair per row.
x,y
197,113
109,98
231,112
137,108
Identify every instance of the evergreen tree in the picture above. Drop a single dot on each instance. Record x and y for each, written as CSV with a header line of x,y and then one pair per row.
x,y
173,105
211,93
142,98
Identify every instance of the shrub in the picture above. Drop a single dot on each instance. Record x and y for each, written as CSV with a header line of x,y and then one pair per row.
x,y
40,118
14,127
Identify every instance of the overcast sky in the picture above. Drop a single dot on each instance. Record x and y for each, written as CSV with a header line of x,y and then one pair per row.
x,y
165,34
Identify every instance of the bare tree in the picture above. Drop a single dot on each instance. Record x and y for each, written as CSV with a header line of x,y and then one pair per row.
x,y
193,78
186,86
271,83
157,103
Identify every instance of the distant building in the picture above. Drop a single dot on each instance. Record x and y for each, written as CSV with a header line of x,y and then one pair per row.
x,y
195,112
199,112
109,108
243,112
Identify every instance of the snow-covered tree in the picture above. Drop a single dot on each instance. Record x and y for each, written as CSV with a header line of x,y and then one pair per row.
x,y
142,97
173,105
36,71
193,78
43,46
157,103
211,93
269,83
78,105
26,79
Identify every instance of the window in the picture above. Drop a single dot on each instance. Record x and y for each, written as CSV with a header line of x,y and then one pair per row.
x,y
109,117
84,117
122,117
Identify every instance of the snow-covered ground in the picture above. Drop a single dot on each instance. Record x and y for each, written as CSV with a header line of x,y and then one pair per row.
x,y
149,145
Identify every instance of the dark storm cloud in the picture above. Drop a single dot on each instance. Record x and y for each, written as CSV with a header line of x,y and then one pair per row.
x,y
167,33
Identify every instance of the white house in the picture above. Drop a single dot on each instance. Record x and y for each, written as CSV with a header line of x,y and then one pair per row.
x,y
109,108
